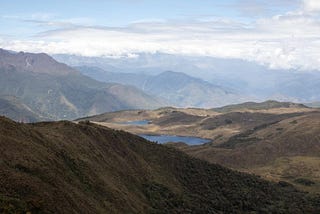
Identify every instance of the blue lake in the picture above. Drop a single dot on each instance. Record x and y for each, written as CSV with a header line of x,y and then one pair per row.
x,y
136,122
173,138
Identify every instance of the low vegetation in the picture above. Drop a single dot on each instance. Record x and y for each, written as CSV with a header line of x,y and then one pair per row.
x,y
62,167
277,141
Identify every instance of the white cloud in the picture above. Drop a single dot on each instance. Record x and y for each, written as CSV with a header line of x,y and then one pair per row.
x,y
50,20
311,5
284,41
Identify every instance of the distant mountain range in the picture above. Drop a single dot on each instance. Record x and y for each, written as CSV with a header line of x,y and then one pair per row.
x,y
248,79
178,89
56,91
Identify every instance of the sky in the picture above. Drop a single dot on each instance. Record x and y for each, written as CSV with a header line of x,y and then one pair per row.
x,y
277,33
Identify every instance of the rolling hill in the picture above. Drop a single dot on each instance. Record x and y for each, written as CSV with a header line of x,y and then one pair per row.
x,y
63,167
287,150
270,104
58,91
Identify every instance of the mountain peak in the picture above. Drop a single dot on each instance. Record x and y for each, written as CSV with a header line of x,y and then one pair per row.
x,y
33,62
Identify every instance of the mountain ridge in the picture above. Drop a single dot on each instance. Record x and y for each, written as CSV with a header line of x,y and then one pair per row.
x,y
56,91
259,82
33,62
177,88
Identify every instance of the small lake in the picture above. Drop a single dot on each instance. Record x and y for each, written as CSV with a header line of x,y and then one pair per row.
x,y
136,122
173,138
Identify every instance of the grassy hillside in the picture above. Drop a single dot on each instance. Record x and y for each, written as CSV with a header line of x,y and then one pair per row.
x,y
280,143
62,167
205,123
283,149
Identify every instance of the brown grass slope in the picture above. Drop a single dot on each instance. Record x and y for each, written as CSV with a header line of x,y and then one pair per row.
x,y
295,136
278,141
286,150
269,104
209,124
62,167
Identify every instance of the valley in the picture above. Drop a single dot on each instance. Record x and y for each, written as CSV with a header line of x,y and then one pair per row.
x,y
159,107
277,141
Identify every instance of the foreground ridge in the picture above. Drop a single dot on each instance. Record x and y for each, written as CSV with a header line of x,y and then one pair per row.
x,y
63,167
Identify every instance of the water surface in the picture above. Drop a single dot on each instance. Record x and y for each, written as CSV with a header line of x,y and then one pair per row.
x,y
173,138
136,122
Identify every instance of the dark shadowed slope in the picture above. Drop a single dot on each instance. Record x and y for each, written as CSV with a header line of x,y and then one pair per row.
x,y
62,167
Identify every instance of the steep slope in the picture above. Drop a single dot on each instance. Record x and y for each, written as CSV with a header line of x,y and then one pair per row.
x,y
14,109
60,92
62,167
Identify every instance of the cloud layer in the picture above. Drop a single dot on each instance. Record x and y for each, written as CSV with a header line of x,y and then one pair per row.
x,y
287,41
311,5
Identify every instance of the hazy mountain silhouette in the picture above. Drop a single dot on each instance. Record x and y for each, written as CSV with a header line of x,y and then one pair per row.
x,y
179,89
246,78
58,91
